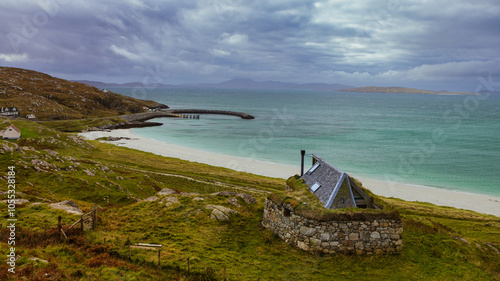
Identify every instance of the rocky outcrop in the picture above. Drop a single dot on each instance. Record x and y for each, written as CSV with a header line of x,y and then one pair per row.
x,y
220,213
249,199
169,201
68,206
330,237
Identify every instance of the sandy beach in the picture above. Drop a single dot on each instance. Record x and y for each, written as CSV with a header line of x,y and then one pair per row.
x,y
476,202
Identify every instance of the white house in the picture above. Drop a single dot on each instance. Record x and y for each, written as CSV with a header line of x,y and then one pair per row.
x,y
11,133
9,111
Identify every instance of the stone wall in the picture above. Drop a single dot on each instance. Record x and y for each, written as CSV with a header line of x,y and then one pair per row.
x,y
358,237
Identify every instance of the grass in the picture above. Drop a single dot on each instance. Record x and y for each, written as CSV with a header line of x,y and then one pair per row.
x,y
306,204
432,248
80,125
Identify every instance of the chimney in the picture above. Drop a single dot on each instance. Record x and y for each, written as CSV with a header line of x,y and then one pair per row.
x,y
302,153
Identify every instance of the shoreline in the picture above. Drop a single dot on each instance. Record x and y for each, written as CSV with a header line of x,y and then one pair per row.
x,y
485,204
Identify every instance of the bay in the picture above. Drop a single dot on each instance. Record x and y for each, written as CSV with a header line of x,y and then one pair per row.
x,y
444,141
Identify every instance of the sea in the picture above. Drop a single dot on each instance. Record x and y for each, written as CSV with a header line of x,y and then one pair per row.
x,y
443,141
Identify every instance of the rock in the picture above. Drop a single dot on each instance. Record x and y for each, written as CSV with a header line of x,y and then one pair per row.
x,y
375,235
167,191
119,178
220,213
89,173
51,152
198,199
189,194
325,236
17,201
68,206
354,236
302,246
234,201
150,199
308,231
37,259
169,201
365,236
314,242
249,199
462,239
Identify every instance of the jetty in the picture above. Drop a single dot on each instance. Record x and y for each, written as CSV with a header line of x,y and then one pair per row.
x,y
140,117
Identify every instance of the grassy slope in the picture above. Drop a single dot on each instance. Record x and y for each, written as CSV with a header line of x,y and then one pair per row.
x,y
242,246
51,98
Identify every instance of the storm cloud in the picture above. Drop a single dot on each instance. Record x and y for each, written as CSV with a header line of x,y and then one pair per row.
x,y
415,43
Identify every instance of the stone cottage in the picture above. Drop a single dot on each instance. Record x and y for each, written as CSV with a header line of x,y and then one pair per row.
x,y
361,233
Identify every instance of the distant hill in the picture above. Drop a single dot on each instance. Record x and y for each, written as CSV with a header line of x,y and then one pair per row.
x,y
231,84
251,84
50,98
400,90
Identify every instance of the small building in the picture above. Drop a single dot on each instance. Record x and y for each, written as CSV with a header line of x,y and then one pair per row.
x,y
11,133
333,187
9,111
31,116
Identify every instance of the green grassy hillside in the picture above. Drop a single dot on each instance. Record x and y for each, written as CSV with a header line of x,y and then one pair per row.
x,y
440,243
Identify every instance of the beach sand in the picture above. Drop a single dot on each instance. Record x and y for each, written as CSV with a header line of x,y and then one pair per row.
x,y
480,203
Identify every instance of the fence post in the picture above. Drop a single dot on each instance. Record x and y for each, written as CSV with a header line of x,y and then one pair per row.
x,y
159,260
81,223
94,217
225,274
59,227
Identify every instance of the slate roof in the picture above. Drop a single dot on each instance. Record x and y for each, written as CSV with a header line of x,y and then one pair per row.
x,y
333,187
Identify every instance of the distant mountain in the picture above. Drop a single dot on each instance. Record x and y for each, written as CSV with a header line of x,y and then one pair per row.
x,y
400,90
231,84
251,84
102,85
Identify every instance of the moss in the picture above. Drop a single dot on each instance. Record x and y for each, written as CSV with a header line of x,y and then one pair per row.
x,y
306,204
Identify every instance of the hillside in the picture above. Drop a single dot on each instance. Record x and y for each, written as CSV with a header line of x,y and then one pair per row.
x,y
440,243
400,90
50,98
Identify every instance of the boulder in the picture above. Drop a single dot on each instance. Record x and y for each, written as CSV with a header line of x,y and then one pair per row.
x,y
150,199
234,201
249,199
68,206
220,213
169,201
167,191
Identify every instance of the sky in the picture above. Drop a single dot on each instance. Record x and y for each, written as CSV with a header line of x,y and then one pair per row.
x,y
436,45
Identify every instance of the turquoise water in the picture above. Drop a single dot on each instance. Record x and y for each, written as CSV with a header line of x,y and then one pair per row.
x,y
450,142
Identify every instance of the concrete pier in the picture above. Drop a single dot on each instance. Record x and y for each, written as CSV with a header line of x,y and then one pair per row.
x,y
176,112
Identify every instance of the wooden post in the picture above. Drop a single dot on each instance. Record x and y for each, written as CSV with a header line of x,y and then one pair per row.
x,y
104,241
94,217
59,227
82,224
188,266
225,274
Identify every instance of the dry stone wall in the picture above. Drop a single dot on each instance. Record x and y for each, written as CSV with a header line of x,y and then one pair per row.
x,y
330,237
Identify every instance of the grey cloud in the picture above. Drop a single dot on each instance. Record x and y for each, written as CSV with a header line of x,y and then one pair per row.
x,y
212,40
